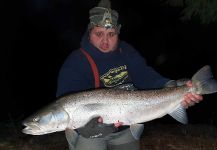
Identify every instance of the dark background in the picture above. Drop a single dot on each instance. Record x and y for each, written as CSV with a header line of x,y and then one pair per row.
x,y
39,34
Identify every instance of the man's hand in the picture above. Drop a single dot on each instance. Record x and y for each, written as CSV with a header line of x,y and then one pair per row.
x,y
190,99
95,128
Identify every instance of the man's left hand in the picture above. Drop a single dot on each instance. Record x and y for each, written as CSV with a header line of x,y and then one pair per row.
x,y
190,99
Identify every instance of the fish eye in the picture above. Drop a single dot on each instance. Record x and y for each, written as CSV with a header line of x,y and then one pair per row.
x,y
36,119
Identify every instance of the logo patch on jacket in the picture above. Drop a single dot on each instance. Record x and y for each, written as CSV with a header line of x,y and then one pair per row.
x,y
115,76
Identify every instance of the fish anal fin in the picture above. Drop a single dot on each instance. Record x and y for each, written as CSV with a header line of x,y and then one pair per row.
x,y
180,114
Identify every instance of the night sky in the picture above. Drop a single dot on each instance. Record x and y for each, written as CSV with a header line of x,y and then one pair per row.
x,y
39,34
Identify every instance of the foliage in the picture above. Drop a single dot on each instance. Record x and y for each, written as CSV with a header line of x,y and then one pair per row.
x,y
206,10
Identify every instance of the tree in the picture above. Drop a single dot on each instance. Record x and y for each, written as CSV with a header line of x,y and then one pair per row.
x,y
205,10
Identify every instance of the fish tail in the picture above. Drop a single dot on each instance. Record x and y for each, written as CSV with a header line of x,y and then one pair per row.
x,y
204,82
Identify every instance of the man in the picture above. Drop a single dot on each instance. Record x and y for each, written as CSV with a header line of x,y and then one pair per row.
x,y
105,61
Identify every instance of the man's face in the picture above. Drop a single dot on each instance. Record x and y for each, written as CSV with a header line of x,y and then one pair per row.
x,y
106,40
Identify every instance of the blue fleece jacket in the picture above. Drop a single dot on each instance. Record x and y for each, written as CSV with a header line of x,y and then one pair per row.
x,y
122,65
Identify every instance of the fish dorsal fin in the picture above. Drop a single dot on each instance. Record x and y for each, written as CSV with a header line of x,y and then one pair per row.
x,y
127,87
180,115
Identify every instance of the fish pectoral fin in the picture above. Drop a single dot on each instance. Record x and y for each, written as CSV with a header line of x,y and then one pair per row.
x,y
180,114
71,137
136,130
93,106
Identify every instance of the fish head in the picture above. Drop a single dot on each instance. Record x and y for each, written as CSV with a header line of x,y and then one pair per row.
x,y
46,121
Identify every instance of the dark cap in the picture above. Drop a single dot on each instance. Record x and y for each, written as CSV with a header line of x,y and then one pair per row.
x,y
104,16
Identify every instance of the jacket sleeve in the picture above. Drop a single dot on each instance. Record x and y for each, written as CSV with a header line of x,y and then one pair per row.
x,y
72,75
143,76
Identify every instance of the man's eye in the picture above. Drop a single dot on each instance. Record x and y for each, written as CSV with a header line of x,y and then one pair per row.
x,y
112,34
99,34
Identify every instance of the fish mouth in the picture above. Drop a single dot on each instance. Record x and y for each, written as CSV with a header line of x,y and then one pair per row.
x,y
32,129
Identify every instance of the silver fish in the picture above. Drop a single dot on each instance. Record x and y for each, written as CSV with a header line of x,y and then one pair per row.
x,y
128,106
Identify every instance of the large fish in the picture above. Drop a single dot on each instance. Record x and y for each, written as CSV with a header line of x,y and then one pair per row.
x,y
128,106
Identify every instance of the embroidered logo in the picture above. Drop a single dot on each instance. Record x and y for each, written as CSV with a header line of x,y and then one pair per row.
x,y
115,76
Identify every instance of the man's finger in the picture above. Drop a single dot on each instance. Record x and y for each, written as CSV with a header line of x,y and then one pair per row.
x,y
189,84
100,120
118,124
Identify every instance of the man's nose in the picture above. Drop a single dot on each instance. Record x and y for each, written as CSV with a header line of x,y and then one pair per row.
x,y
105,38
